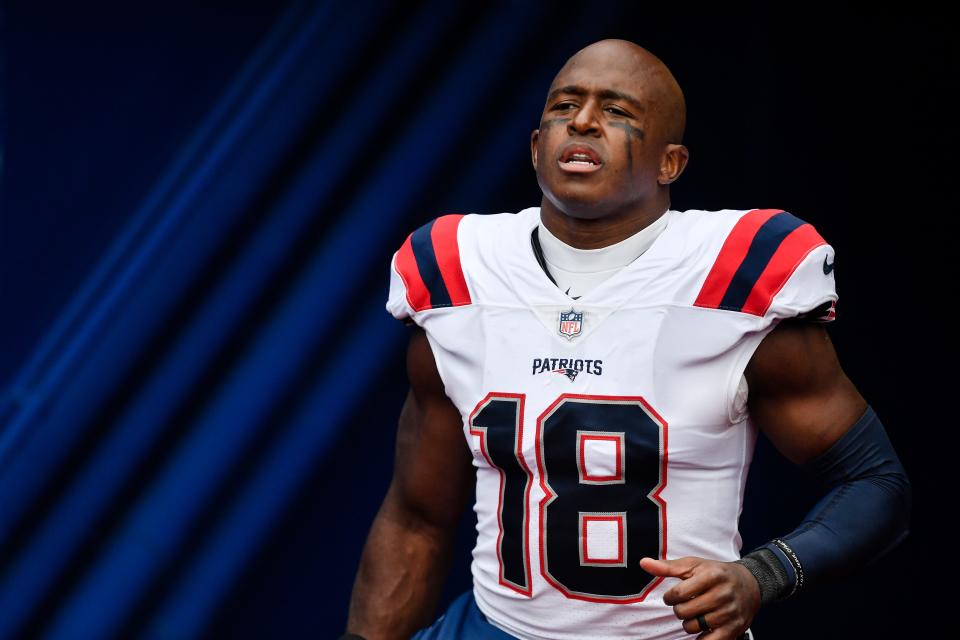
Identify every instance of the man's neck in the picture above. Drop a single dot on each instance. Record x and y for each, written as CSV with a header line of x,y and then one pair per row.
x,y
594,233
579,271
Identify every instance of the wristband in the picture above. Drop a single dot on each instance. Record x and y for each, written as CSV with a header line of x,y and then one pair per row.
x,y
775,583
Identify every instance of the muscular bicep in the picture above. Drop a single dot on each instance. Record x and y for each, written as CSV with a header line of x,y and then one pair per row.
x,y
433,471
799,395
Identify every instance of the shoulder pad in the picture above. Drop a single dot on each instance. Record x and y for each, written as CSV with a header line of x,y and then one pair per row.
x,y
771,262
429,268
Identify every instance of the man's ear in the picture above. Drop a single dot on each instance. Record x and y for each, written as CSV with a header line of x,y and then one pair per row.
x,y
673,162
533,147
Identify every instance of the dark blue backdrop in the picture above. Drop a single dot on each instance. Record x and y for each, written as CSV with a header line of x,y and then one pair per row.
x,y
198,382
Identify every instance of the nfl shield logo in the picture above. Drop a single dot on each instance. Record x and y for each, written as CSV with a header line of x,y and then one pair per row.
x,y
571,323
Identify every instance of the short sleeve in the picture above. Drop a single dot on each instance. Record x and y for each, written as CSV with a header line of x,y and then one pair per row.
x,y
809,292
772,265
426,272
397,304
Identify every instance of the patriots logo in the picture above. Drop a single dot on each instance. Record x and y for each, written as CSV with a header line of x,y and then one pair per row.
x,y
570,367
570,373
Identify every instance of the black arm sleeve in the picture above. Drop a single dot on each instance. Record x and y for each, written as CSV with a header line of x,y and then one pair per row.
x,y
864,513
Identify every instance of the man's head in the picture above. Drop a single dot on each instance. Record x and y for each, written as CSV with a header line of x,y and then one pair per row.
x,y
610,137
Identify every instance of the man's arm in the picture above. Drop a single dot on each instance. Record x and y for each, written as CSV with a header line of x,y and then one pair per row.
x,y
406,556
798,394
812,413
802,400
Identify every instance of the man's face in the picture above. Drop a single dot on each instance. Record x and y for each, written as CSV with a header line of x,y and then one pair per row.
x,y
599,146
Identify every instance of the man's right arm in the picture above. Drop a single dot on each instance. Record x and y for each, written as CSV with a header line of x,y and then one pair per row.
x,y
406,556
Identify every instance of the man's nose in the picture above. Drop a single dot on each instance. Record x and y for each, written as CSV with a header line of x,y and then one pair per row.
x,y
585,122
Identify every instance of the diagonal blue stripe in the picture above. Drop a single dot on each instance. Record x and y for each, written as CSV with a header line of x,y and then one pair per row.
x,y
154,219
307,439
426,259
151,533
167,265
765,243
89,494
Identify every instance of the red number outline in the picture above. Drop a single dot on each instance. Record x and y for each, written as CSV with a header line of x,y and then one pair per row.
x,y
481,432
549,495
585,520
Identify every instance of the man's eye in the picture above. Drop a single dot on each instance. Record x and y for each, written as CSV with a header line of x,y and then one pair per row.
x,y
617,110
561,106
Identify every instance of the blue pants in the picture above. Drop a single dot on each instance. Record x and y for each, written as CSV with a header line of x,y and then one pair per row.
x,y
462,621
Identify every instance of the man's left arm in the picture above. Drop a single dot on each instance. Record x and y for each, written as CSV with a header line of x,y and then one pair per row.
x,y
813,414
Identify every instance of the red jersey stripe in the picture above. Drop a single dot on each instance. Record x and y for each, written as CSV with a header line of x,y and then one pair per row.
x,y
447,250
791,252
734,250
418,296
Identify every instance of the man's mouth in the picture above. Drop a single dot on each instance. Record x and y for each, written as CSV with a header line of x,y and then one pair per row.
x,y
578,158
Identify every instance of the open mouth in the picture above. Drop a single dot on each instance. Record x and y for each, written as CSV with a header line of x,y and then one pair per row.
x,y
578,158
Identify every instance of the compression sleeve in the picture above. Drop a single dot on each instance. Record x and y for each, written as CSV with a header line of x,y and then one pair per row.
x,y
863,515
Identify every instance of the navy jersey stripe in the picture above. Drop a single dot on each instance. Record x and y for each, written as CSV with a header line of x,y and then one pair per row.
x,y
765,243
422,243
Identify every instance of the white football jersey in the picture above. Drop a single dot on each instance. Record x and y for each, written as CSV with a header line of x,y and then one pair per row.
x,y
612,427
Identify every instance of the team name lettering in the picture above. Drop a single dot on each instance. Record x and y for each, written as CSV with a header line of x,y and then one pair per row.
x,y
558,365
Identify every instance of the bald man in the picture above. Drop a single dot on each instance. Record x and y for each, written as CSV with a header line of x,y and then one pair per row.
x,y
608,362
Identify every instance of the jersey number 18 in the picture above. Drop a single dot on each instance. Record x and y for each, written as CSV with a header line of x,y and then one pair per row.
x,y
596,520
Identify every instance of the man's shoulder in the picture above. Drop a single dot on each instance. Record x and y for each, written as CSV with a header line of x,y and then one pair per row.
x,y
502,222
761,228
460,227
763,262
710,216
756,216
437,265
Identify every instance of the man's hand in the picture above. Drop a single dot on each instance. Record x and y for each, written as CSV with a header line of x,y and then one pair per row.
x,y
725,593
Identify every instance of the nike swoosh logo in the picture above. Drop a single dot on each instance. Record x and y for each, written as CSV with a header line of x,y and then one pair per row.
x,y
827,268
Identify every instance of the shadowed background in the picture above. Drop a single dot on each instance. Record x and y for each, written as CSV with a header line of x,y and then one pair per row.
x,y
199,383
